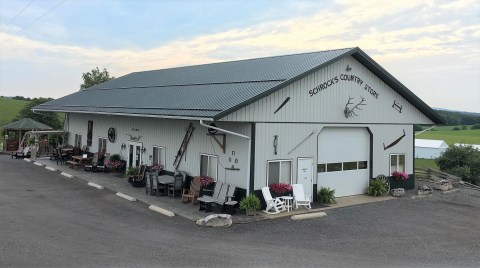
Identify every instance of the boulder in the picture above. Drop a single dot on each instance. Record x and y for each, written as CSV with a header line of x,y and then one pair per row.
x,y
216,220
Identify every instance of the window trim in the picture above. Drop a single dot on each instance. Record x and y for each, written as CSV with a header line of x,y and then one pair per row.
x,y
208,164
280,160
398,159
104,140
78,140
164,154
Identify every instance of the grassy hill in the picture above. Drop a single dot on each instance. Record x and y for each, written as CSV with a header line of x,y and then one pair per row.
x,y
9,109
452,136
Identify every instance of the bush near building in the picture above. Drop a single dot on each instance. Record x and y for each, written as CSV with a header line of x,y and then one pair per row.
x,y
462,161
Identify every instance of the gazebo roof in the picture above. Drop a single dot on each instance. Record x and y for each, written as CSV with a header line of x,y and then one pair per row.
x,y
26,124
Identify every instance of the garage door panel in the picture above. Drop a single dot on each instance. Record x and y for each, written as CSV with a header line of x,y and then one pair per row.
x,y
340,149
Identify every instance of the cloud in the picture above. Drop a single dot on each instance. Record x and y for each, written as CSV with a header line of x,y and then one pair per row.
x,y
388,30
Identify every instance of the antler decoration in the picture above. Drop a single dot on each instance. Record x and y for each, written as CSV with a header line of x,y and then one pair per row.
x,y
351,112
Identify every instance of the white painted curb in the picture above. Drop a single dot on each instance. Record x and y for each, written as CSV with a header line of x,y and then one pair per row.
x,y
26,159
50,168
421,196
38,164
161,210
99,187
67,175
308,216
129,198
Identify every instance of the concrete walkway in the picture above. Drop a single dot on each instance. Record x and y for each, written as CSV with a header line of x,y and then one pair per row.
x,y
118,183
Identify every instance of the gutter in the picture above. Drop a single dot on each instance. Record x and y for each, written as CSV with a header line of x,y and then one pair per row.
x,y
425,130
249,148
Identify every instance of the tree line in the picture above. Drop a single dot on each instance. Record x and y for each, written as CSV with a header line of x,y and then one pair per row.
x,y
53,119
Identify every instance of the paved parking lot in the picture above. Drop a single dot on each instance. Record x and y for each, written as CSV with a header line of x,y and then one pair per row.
x,y
48,220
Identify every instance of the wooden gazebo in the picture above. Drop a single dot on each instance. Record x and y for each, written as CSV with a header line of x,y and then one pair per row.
x,y
13,133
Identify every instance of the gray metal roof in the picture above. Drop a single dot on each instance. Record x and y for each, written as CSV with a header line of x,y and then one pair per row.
x,y
209,90
26,124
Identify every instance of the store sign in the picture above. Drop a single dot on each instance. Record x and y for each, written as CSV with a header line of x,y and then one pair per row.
x,y
346,78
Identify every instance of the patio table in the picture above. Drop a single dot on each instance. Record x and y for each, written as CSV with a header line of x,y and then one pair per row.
x,y
165,180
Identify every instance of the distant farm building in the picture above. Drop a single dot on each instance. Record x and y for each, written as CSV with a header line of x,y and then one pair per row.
x,y
475,146
429,149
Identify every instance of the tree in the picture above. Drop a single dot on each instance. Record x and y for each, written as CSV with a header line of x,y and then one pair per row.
x,y
48,118
95,77
462,161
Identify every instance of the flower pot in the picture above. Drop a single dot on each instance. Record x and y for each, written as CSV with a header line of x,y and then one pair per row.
x,y
251,212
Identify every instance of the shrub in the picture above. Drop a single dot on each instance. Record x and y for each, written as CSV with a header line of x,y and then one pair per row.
x,y
250,202
376,188
326,195
115,157
461,161
476,126
456,128
132,171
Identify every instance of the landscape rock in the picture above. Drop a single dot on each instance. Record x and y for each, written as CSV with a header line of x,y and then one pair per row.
x,y
398,192
216,220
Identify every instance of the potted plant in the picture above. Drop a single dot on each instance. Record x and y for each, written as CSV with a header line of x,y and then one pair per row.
x,y
130,172
376,188
326,195
206,185
250,204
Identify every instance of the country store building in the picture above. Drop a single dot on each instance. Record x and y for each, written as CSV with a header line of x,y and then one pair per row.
x,y
332,118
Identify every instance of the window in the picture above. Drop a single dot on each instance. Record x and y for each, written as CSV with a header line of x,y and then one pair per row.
x,y
341,166
209,165
158,156
102,144
279,171
89,133
78,140
397,163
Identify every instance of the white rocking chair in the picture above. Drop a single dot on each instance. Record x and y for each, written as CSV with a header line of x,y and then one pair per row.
x,y
299,198
275,204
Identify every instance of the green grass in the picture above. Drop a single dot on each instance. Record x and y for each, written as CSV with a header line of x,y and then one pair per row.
x,y
425,163
9,109
452,136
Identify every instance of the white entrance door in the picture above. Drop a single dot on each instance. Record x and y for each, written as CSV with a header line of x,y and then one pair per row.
x,y
305,174
343,160
134,154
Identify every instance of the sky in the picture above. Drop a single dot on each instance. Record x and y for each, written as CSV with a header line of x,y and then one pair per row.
x,y
431,46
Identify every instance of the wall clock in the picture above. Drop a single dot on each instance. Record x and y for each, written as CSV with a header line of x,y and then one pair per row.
x,y
111,134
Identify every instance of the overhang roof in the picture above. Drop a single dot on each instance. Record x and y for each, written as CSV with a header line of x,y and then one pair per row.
x,y
211,91
26,124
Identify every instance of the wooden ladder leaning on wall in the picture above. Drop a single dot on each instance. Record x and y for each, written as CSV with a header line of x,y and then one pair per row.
x,y
183,147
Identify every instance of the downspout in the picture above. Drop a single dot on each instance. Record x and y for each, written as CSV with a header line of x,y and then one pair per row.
x,y
249,148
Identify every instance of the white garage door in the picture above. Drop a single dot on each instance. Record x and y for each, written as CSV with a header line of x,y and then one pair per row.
x,y
343,155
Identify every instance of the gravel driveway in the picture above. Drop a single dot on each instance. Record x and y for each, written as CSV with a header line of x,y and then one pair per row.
x,y
48,220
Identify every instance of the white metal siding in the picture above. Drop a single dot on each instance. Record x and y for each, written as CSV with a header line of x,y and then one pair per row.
x,y
169,134
327,105
291,134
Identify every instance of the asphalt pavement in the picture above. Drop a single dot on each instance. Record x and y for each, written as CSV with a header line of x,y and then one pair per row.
x,y
48,220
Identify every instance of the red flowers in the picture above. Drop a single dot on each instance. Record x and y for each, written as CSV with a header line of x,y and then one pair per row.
x,y
205,181
280,188
400,175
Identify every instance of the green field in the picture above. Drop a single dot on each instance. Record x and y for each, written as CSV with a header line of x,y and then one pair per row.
x,y
425,163
9,109
452,136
